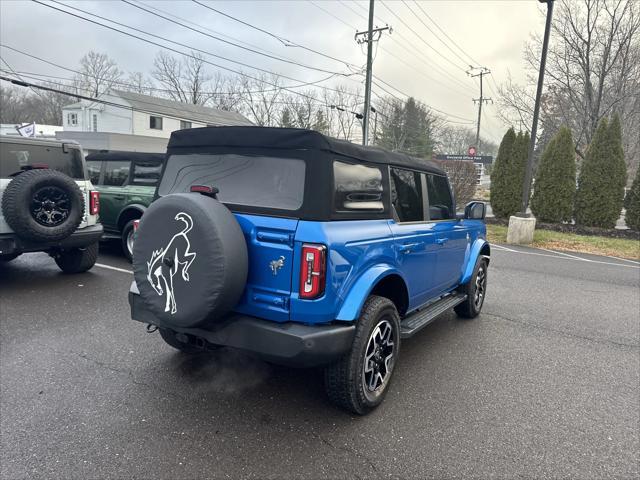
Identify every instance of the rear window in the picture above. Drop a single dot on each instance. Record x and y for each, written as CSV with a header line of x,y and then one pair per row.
x,y
16,158
255,181
146,173
357,187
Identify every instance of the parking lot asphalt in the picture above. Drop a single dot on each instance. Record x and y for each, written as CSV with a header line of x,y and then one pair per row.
x,y
545,383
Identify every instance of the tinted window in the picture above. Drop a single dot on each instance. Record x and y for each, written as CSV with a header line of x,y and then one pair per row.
x,y
115,173
257,181
406,195
93,169
357,187
440,201
16,158
146,173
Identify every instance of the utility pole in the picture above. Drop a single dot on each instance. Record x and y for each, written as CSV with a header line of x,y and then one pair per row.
x,y
483,71
369,36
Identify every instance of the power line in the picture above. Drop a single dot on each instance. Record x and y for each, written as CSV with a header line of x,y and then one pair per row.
x,y
390,86
284,41
306,84
16,74
474,62
162,38
291,62
421,55
181,113
422,39
132,87
413,54
432,32
291,43
178,51
257,47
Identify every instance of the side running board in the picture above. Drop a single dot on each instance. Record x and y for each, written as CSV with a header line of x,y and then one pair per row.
x,y
421,318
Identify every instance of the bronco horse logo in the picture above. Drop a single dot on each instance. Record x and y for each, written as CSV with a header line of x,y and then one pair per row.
x,y
168,261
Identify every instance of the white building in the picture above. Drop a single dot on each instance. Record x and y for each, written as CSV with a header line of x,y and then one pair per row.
x,y
136,122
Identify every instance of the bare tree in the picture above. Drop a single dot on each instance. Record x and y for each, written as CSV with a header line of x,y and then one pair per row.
x,y
593,71
342,103
463,177
22,106
226,92
261,99
456,139
185,80
138,82
98,74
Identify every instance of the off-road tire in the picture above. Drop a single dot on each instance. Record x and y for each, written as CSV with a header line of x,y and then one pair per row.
x,y
128,229
344,379
77,260
8,257
470,308
169,336
17,203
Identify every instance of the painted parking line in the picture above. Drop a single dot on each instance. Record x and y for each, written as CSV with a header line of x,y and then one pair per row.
x,y
566,257
625,260
565,254
116,269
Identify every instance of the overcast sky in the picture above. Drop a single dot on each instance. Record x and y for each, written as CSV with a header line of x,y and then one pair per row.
x,y
414,60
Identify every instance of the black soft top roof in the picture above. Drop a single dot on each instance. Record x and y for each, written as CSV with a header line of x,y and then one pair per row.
x,y
127,156
289,139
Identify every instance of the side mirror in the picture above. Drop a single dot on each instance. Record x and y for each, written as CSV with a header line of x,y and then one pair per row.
x,y
475,211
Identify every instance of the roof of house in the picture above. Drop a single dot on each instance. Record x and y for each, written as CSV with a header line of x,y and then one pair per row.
x,y
171,108
268,138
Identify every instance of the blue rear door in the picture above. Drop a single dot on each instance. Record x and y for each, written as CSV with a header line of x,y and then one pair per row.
x,y
414,237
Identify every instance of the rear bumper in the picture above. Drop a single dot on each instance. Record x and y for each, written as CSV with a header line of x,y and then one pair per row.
x,y
292,344
10,243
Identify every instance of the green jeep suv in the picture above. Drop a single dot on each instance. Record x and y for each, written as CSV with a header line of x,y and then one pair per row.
x,y
127,182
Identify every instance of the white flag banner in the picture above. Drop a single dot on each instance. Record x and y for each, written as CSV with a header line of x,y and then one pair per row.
x,y
28,130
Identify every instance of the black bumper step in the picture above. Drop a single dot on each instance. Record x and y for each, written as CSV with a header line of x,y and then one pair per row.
x,y
420,319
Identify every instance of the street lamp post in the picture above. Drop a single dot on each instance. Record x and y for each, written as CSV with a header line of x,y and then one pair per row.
x,y
526,187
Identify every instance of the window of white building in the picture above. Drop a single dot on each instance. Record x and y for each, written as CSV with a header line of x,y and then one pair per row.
x,y
72,119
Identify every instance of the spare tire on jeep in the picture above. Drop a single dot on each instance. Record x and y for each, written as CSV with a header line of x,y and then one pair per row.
x,y
189,260
43,205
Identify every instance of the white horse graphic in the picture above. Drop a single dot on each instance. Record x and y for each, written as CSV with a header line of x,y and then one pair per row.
x,y
168,261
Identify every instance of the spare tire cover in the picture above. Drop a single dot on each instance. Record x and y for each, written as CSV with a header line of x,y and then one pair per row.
x,y
189,259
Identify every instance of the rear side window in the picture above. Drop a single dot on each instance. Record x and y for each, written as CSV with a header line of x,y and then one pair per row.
x,y
146,173
16,158
406,195
93,169
440,201
357,187
250,180
116,173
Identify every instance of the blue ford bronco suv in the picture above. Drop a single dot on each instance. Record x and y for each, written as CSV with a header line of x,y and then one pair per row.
x,y
305,251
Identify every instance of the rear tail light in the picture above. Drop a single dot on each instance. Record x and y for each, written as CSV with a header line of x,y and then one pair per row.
x,y
136,224
94,202
313,269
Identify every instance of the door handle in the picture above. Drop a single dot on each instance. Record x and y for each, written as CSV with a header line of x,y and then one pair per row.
x,y
441,241
408,247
